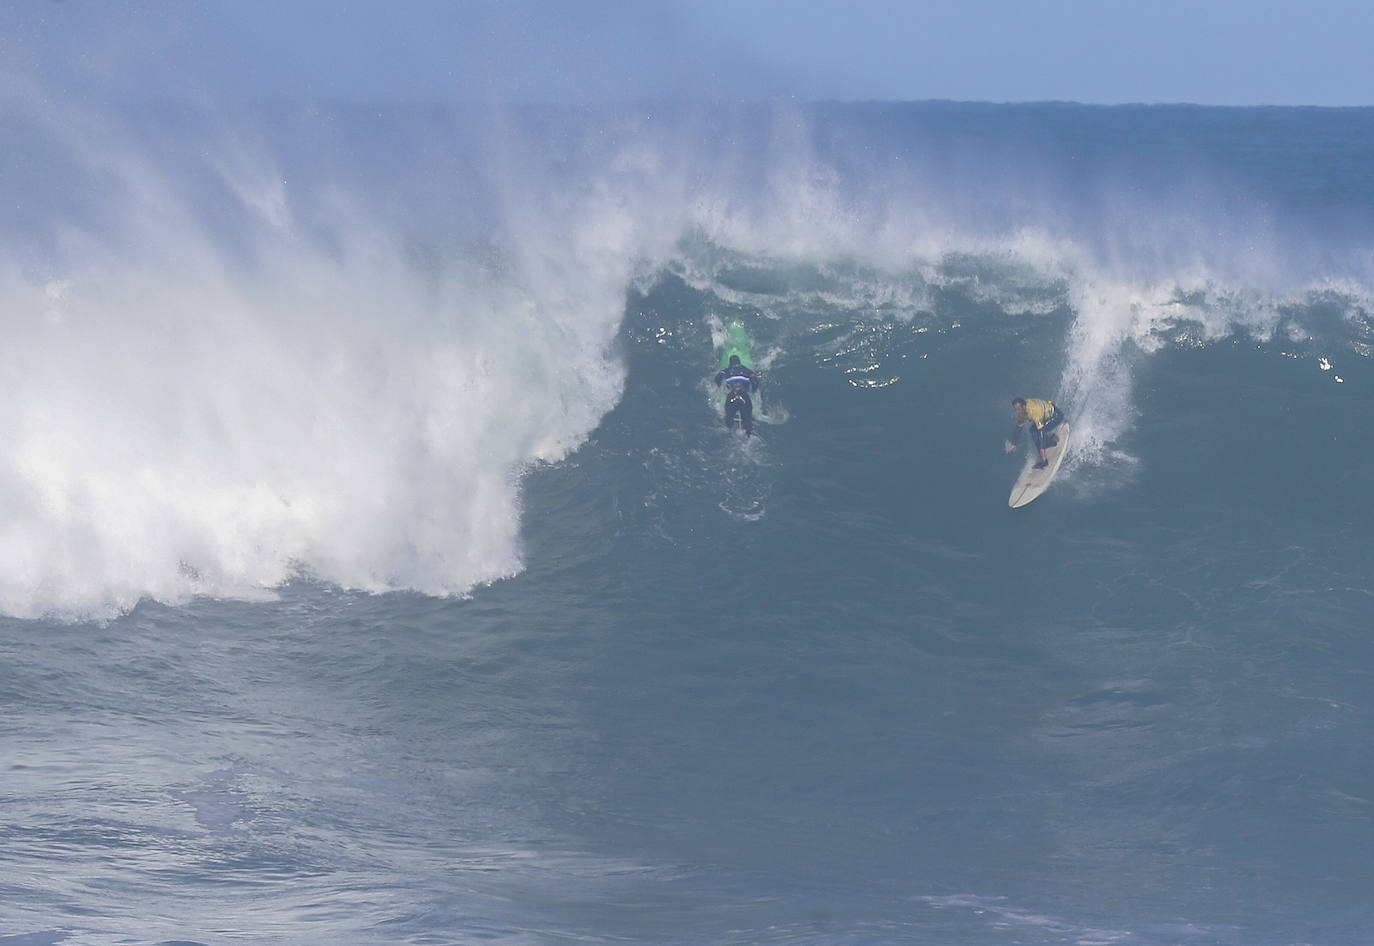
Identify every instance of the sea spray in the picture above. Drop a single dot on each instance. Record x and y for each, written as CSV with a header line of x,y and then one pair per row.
x,y
220,378
331,342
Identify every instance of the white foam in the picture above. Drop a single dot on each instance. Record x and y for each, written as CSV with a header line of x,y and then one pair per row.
x,y
200,405
190,415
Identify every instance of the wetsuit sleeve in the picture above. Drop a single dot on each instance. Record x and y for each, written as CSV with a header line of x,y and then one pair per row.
x,y
720,376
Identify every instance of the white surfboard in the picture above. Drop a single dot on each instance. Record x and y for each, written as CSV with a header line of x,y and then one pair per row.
x,y
1033,482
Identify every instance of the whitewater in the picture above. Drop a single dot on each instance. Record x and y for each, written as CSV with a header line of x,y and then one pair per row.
x,y
376,567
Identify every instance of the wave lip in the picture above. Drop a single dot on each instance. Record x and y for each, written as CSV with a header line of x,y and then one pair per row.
x,y
274,345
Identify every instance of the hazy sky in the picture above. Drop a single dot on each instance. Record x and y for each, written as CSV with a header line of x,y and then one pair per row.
x,y
1236,52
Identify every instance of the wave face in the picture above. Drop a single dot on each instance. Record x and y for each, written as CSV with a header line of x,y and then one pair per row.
x,y
374,542
281,343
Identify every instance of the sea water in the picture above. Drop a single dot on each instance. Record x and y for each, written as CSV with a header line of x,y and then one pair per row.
x,y
377,568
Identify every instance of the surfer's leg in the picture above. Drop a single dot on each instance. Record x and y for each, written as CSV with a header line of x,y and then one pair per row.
x,y
1048,438
1037,437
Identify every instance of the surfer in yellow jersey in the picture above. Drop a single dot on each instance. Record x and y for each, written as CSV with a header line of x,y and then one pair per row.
x,y
1043,417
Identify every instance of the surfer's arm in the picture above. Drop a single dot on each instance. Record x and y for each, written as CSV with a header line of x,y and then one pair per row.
x,y
720,376
1014,439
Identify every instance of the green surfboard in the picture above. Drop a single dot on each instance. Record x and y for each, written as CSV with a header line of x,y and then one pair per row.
x,y
737,342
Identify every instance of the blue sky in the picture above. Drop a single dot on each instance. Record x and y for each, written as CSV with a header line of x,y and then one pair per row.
x,y
1216,52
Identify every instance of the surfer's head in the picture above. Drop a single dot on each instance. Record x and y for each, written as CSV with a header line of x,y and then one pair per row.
x,y
734,359
1018,404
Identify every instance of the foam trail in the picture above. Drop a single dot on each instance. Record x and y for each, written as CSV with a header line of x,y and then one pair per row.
x,y
1118,321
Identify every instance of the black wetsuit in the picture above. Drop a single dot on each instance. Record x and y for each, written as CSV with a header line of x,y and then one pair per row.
x,y
739,381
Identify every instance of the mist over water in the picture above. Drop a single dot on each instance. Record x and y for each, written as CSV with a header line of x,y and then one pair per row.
x,y
237,360
315,341
374,545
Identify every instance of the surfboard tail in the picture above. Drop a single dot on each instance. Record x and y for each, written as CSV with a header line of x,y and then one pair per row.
x,y
1033,482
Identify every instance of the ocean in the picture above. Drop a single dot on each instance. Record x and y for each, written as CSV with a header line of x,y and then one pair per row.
x,y
377,568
